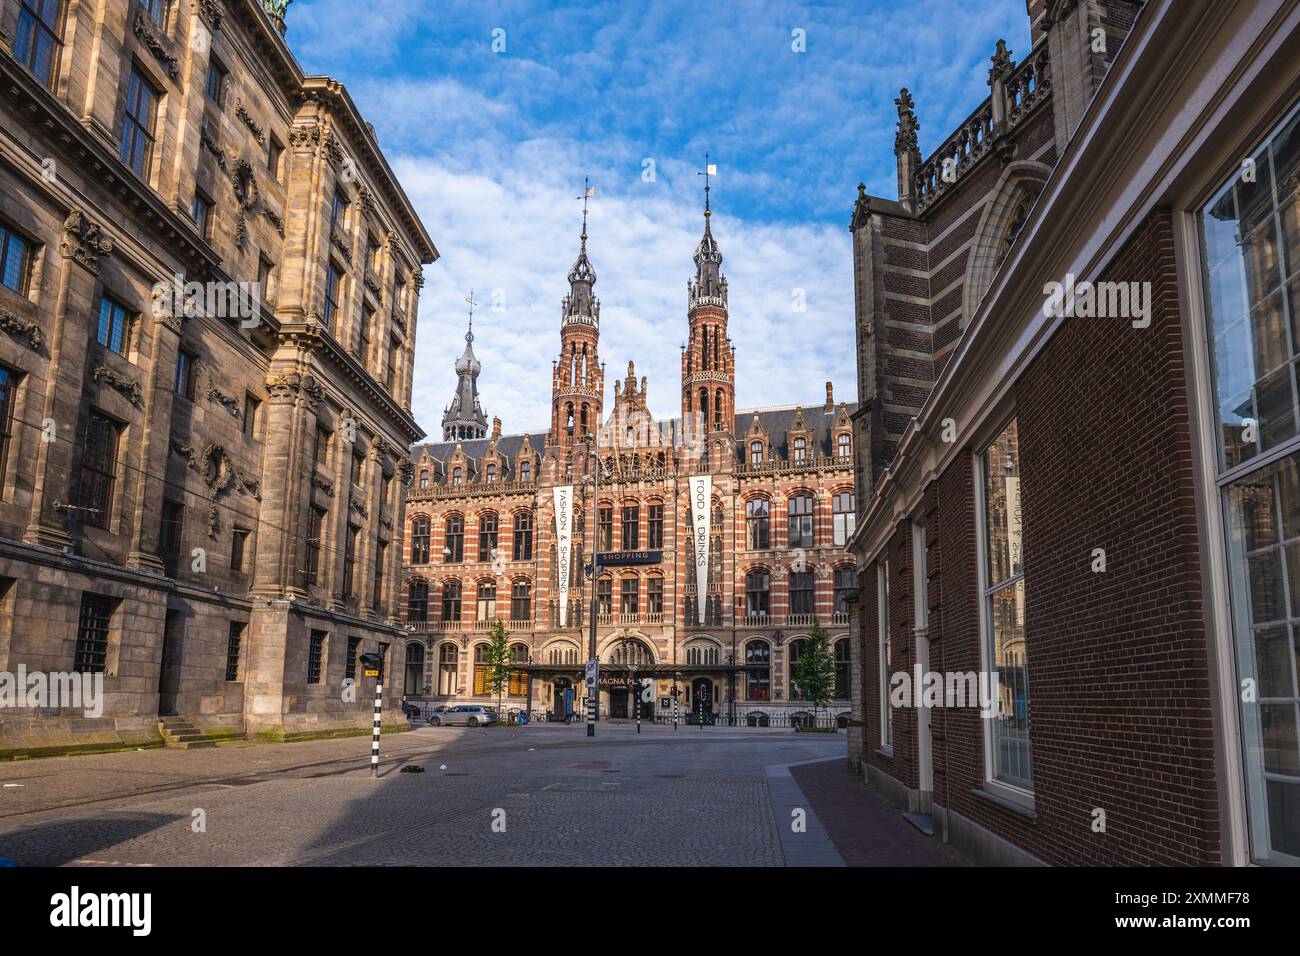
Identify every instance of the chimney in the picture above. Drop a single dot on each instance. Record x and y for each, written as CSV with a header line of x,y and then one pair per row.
x,y
830,398
496,428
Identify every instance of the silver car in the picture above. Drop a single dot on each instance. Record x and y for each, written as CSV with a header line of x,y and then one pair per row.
x,y
471,715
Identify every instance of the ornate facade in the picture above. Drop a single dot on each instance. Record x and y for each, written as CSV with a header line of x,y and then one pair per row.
x,y
202,502
481,535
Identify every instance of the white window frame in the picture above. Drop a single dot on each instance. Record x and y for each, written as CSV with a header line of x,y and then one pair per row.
x,y
1006,791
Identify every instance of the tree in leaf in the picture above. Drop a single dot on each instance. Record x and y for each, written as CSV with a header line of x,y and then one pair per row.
x,y
814,671
500,661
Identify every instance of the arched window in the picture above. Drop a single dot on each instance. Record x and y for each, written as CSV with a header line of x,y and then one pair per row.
x,y
562,654
719,407
491,472
518,678
801,449
521,601
525,470
632,654
843,446
448,670
486,605
756,453
757,593
757,718
758,530
482,671
843,517
802,595
705,654
629,595
453,545
845,584
487,535
842,651
451,602
420,532
758,670
797,650
800,510
568,419
417,600
413,684
523,522
424,480
457,475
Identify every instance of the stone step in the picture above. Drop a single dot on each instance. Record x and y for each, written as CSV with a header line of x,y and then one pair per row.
x,y
180,733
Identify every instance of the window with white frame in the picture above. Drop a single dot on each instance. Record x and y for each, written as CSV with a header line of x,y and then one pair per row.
x,y
1003,578
1250,265
886,655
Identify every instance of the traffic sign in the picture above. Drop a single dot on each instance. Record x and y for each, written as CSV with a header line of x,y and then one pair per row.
x,y
593,673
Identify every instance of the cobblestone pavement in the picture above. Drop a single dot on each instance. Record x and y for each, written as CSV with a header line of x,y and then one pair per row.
x,y
676,798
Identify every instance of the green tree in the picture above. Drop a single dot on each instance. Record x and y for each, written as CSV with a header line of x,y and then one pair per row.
x,y
814,672
500,662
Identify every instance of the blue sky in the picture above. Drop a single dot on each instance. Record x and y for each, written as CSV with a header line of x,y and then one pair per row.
x,y
492,147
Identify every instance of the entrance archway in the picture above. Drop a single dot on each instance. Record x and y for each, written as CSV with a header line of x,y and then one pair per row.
x,y
702,697
561,692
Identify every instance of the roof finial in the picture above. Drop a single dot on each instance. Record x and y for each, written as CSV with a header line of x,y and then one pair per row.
x,y
710,169
588,190
469,336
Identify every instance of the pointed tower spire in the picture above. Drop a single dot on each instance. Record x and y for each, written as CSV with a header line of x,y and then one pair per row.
x,y
581,305
709,281
464,417
577,377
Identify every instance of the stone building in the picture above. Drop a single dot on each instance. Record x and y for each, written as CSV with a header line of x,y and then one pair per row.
x,y
482,534
200,485
1077,378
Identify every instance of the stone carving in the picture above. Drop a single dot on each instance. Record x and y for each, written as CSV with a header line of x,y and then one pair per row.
x,y
212,13
83,241
314,389
305,137
276,10
246,194
228,402
242,112
155,46
187,452
17,326
207,141
324,484
417,279
214,521
372,283
407,469
905,139
217,469
341,245
132,390
367,201
274,218
357,503
333,149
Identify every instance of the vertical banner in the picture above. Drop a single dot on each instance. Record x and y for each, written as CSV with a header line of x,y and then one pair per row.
x,y
701,490
563,545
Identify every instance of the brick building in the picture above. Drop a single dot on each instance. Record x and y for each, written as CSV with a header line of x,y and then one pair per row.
x,y
201,504
482,541
1094,504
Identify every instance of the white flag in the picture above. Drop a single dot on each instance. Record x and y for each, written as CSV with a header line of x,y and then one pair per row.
x,y
701,492
563,544
713,169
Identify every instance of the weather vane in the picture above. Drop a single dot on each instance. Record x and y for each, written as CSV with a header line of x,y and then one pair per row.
x,y
472,302
710,169
588,190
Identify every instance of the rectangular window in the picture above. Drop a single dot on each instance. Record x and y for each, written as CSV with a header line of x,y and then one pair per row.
x,y
15,260
184,384
239,549
315,652
394,362
358,469
655,528
234,638
350,666
38,41
98,475
350,560
629,596
604,596
654,595
381,552
114,326
252,415
201,210
216,83
8,388
886,655
265,278
843,518
1250,266
321,450
91,654
333,279
137,123
605,529
338,212
157,10
631,527
366,322
1004,611
274,157
170,532
311,559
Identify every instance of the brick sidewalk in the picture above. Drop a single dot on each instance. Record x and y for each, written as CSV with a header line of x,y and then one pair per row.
x,y
866,829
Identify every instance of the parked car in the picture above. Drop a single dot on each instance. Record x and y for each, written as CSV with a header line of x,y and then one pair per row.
x,y
436,711
471,715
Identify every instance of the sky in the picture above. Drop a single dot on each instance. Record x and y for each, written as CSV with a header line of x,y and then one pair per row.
x,y
491,115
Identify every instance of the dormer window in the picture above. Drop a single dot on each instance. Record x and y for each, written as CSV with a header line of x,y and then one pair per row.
x,y
756,453
844,446
800,449
491,473
457,476
424,480
525,471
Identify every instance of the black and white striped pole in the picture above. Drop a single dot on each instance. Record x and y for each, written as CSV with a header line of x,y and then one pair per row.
x,y
374,667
